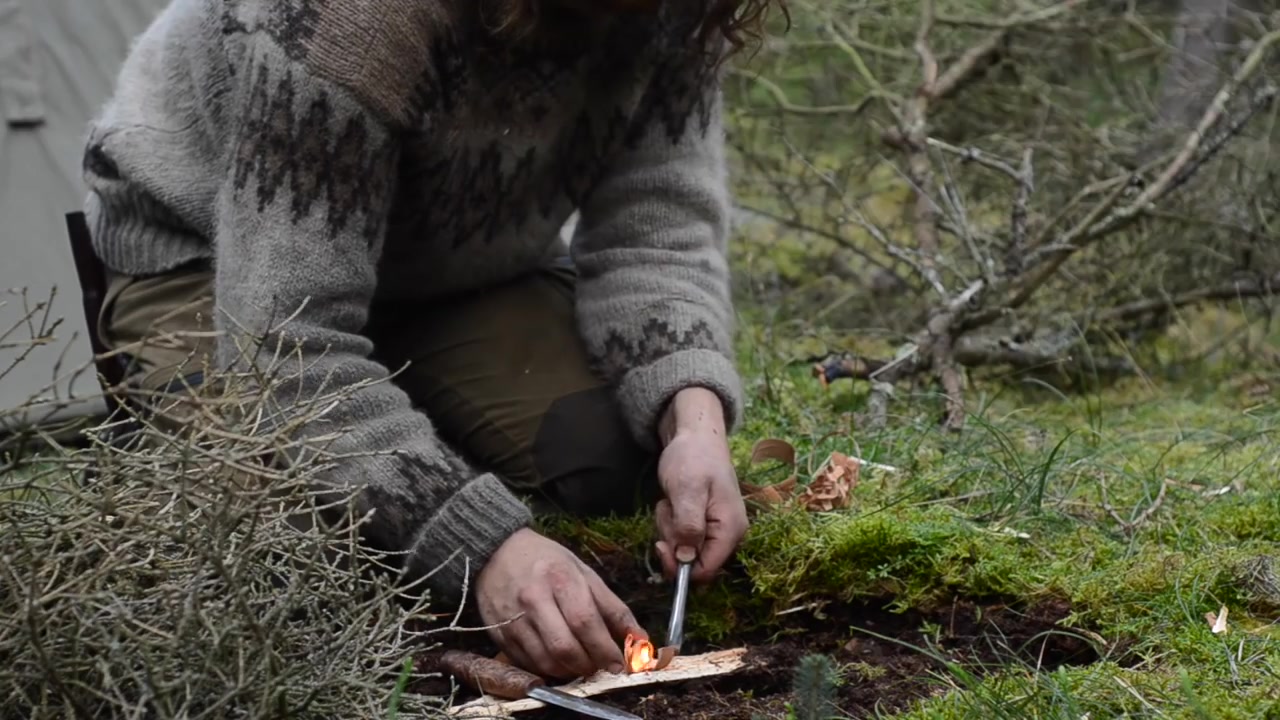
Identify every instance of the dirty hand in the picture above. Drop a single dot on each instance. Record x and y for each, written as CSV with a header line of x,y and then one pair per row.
x,y
703,513
572,624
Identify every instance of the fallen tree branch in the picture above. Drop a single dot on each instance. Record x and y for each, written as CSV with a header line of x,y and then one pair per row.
x,y
972,351
977,352
1237,289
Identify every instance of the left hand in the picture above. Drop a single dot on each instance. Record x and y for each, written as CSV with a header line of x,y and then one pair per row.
x,y
702,514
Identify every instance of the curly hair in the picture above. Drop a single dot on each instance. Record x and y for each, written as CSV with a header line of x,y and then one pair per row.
x,y
737,23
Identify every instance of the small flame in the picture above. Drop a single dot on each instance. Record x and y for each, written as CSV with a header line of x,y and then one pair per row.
x,y
639,654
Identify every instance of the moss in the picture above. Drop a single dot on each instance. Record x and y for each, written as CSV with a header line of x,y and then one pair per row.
x,y
1145,504
602,536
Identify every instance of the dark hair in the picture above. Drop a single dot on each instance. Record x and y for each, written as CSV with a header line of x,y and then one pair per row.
x,y
735,22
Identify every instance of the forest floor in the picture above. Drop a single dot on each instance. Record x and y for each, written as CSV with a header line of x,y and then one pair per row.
x,y
1063,557
1068,555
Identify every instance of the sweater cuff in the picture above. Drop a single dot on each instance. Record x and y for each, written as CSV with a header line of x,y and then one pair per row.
x,y
645,391
459,539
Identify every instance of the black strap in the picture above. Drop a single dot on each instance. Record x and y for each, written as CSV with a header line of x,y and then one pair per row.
x,y
93,290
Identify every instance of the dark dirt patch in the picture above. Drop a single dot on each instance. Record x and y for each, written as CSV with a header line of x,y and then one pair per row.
x,y
880,674
880,651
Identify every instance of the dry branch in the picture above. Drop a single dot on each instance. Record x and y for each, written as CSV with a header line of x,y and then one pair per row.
x,y
190,576
1105,219
984,280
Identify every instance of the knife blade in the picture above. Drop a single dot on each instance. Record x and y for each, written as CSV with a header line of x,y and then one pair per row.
x,y
486,675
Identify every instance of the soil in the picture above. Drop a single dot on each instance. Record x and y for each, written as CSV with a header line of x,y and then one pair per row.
x,y
881,652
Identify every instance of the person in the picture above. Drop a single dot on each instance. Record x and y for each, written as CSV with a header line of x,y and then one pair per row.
x,y
376,192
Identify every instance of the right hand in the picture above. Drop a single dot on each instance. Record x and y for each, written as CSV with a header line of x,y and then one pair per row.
x,y
572,624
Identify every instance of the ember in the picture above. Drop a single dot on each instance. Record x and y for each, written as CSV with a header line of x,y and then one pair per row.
x,y
639,654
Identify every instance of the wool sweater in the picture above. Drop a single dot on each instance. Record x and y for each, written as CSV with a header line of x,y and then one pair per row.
x,y
327,155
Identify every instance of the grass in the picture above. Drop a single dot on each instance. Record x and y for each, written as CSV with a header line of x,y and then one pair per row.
x,y
1145,505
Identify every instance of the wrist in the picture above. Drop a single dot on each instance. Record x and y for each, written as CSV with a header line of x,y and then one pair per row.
x,y
692,410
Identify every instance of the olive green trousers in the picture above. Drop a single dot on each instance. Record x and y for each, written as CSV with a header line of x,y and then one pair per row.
x,y
502,373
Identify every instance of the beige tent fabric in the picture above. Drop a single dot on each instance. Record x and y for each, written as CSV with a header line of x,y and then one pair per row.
x,y
20,97
58,64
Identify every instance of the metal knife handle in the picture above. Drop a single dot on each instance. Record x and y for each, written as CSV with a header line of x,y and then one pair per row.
x,y
489,676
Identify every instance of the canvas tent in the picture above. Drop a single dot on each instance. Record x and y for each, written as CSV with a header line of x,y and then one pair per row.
x,y
58,65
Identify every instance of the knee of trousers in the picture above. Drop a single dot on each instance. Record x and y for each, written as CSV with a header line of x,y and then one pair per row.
x,y
589,463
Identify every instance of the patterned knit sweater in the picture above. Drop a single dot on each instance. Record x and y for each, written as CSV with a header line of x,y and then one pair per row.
x,y
329,154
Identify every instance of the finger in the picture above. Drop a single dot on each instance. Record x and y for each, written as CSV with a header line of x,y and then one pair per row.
x,y
528,651
724,534
715,553
578,607
559,654
513,646
689,517
553,629
666,535
667,558
535,631
615,613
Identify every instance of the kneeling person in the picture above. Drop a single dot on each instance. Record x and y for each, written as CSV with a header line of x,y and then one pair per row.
x,y
373,190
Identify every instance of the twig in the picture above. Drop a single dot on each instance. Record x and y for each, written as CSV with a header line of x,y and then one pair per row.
x,y
855,216
966,65
784,104
973,154
1128,526
1034,17
799,225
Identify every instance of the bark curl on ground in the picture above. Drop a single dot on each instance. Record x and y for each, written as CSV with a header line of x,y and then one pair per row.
x,y
1027,226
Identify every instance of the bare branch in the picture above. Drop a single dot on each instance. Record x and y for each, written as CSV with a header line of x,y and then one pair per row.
x,y
1015,252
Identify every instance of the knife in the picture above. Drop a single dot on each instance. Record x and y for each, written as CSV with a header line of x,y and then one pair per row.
x,y
675,626
509,682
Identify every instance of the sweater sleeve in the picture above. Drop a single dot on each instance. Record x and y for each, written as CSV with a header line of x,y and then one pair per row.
x,y
650,246
300,224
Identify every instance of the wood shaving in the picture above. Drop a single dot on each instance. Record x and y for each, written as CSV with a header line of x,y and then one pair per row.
x,y
831,489
684,667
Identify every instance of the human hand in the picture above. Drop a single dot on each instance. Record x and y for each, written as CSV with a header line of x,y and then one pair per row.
x,y
572,624
703,516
